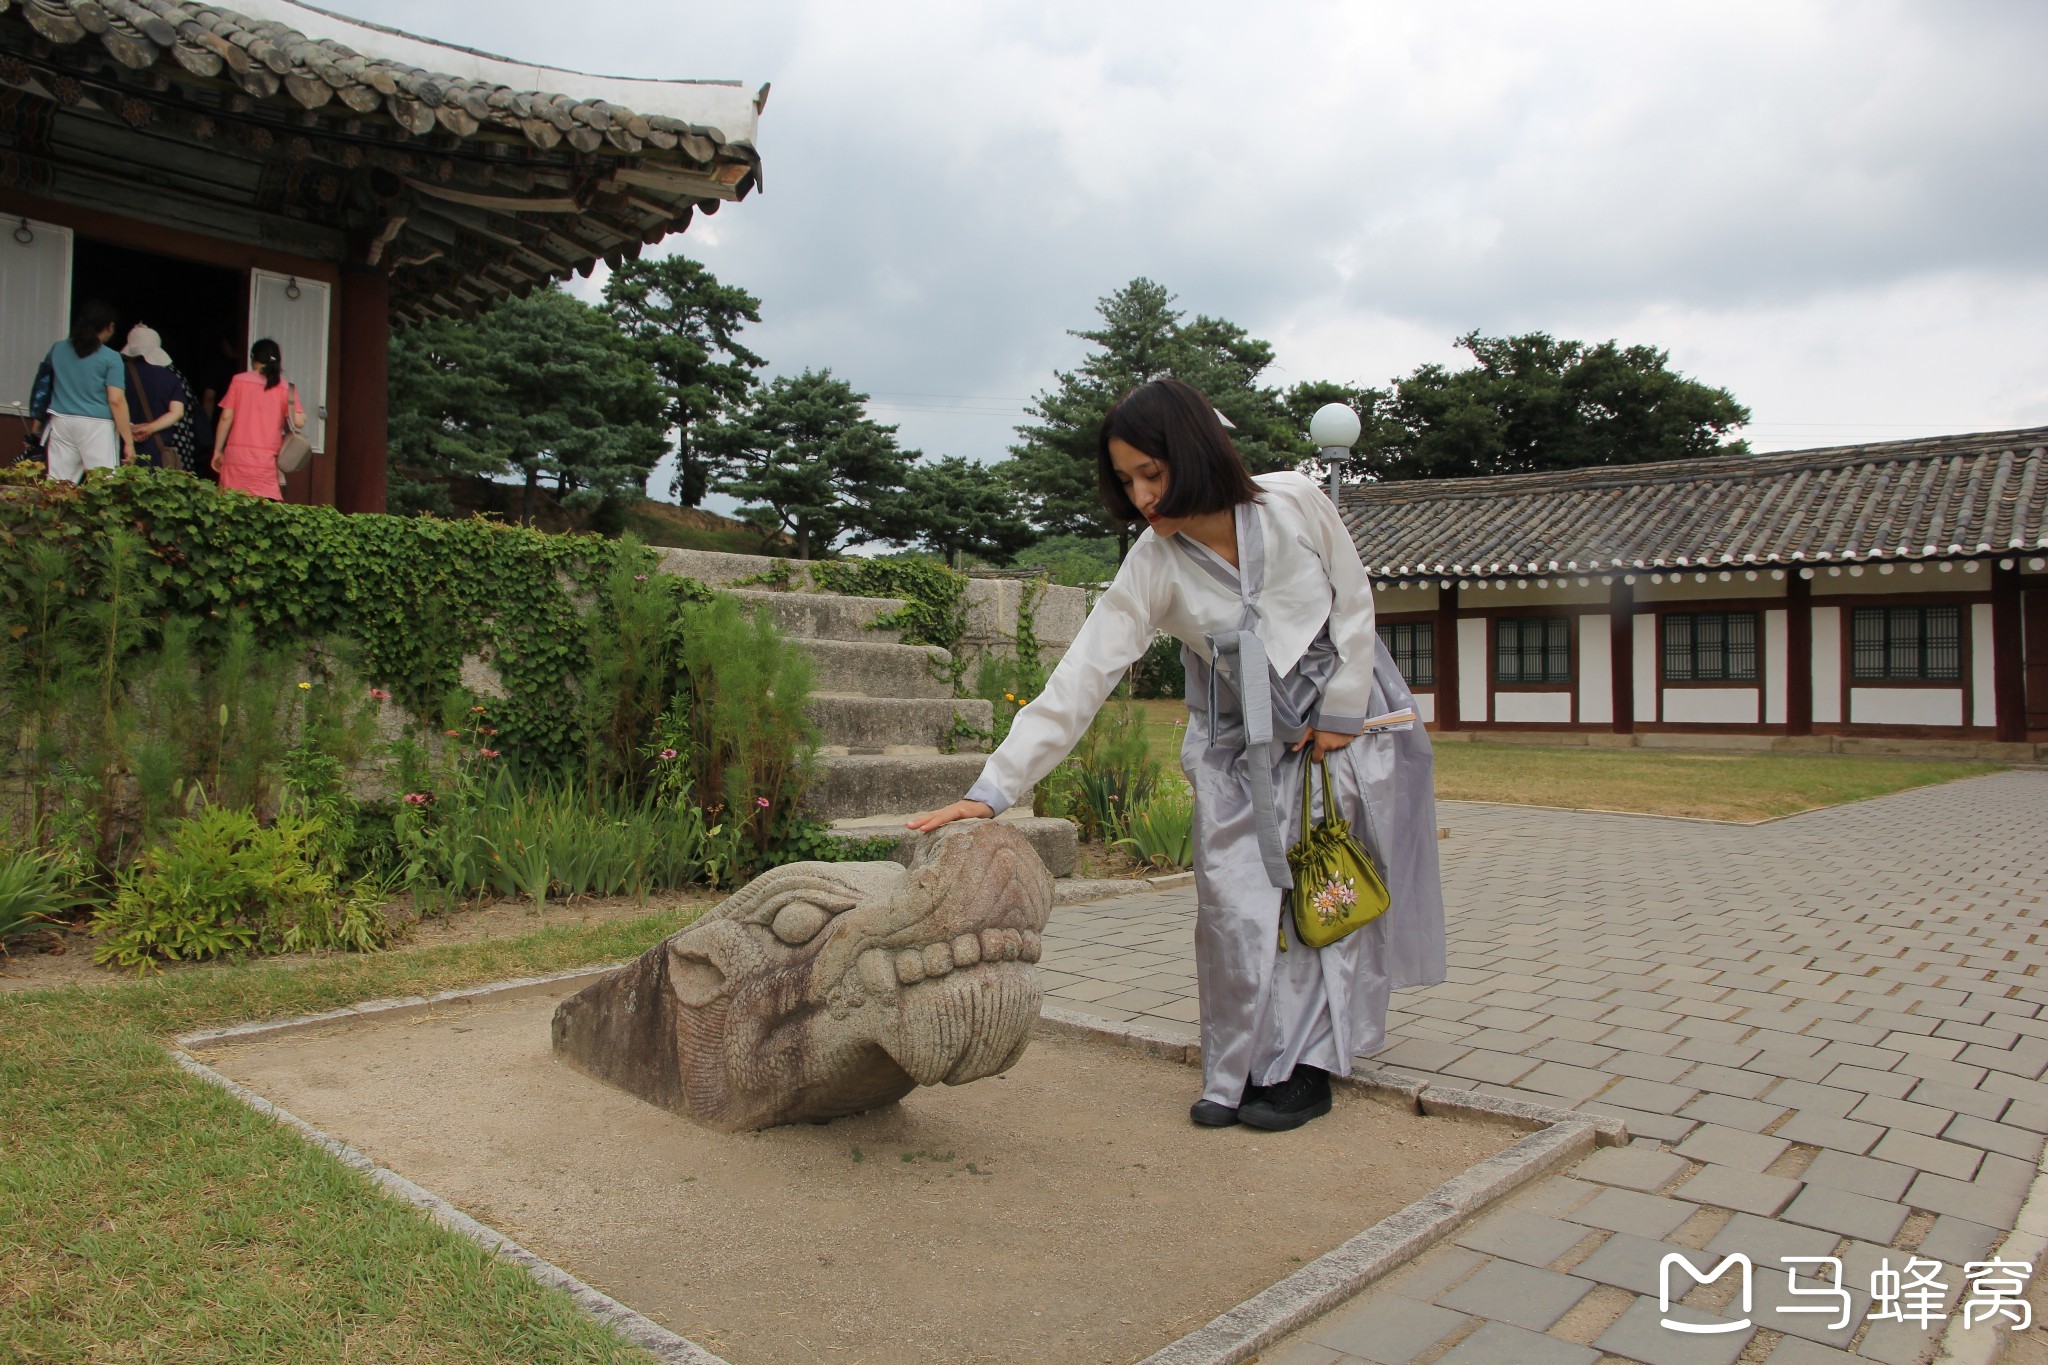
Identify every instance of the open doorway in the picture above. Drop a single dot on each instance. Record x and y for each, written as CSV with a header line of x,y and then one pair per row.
x,y
201,311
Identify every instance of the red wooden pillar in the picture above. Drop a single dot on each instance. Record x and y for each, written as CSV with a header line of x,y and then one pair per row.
x,y
361,441
1621,610
1447,658
1798,654
2008,669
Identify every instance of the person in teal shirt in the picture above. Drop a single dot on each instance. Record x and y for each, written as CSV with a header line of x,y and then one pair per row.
x,y
88,427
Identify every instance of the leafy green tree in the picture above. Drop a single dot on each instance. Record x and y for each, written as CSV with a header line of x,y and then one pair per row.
x,y
965,508
685,324
1142,336
809,463
1532,402
540,387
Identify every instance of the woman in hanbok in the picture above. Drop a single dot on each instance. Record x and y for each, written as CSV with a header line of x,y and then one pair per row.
x,y
1263,587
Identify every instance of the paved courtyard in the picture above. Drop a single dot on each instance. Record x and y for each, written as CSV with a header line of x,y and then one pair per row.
x,y
1826,1034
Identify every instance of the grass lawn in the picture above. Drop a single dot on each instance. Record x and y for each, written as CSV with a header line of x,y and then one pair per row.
x,y
146,1215
1714,786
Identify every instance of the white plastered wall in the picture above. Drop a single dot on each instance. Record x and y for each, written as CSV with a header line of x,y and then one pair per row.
x,y
1646,667
1533,708
1472,671
1905,706
1776,626
1827,665
1596,670
1983,682
1425,707
1710,705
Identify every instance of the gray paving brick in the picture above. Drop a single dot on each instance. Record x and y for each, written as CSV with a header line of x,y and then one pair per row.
x,y
1841,1134
1732,1147
1923,1153
1890,1084
1497,1343
1748,1191
1859,1174
1635,1167
1914,1118
1850,1214
1649,1096
1660,1127
1795,1351
1751,1116
1639,1334
1772,1293
1645,1215
2013,1141
1500,1067
1386,1329
1628,1262
1976,1203
1435,1272
1529,1238
1513,1293
1765,1239
1959,1241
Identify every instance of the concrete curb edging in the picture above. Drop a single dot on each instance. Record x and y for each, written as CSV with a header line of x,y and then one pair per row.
x,y
1561,1136
2028,1242
650,1336
1237,1335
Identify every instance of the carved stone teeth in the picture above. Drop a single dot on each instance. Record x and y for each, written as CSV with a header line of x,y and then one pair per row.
x,y
966,950
1031,948
877,971
938,959
991,945
910,966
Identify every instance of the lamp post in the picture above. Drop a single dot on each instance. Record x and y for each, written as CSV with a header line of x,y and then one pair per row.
x,y
1334,429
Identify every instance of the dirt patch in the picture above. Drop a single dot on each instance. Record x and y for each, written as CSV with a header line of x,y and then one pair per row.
x,y
35,967
1064,1211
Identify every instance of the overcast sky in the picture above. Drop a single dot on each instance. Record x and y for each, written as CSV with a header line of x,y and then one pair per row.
x,y
1835,210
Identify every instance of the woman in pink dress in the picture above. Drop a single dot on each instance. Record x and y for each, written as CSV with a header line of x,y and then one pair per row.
x,y
253,418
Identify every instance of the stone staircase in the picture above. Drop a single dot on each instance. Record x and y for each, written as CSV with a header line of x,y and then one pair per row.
x,y
885,709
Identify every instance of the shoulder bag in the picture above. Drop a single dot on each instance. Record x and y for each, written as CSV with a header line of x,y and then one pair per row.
x,y
294,450
1337,888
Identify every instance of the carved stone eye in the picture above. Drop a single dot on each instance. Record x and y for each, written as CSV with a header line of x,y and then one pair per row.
x,y
799,922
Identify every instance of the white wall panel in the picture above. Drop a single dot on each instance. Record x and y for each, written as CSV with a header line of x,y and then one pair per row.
x,y
1905,706
1542,708
1596,670
1473,671
1827,665
1710,705
1646,666
1775,627
35,305
1425,706
1983,682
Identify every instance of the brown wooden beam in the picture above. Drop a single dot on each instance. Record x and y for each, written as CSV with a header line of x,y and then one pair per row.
x,y
362,429
1798,654
1621,651
2008,661
1447,717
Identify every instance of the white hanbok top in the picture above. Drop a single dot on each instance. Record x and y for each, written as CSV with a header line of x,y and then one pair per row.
x,y
1312,577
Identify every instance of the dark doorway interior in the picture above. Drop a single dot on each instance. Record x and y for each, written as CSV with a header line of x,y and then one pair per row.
x,y
201,311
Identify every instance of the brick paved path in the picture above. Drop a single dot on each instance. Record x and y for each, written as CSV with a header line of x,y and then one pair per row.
x,y
1822,1032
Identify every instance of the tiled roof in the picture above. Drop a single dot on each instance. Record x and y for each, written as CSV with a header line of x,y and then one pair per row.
x,y
1950,497
474,175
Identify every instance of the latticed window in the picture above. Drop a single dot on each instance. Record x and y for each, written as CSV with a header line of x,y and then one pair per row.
x,y
1710,646
1413,645
1532,649
1906,644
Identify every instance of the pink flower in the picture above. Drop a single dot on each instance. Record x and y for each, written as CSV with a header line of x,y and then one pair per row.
x,y
762,802
379,694
639,578
476,710
417,798
667,754
488,753
452,734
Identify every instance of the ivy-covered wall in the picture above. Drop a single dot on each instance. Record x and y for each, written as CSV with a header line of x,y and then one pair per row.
x,y
412,596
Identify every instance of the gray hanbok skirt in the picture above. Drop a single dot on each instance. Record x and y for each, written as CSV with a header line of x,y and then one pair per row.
x,y
1265,1011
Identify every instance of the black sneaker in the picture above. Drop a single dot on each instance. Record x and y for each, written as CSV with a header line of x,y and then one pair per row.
x,y
1302,1096
1209,1114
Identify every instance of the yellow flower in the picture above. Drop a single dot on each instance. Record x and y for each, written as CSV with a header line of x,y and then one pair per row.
x,y
305,687
1009,696
1023,701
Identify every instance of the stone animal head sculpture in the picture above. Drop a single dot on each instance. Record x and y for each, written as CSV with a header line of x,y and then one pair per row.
x,y
823,989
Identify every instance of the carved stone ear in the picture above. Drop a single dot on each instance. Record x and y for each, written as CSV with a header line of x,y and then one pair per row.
x,y
694,976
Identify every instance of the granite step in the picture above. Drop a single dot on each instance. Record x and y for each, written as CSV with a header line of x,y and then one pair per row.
x,y
856,785
884,725
1056,841
873,669
823,616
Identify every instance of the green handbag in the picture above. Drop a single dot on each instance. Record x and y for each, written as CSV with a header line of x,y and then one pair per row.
x,y
1336,887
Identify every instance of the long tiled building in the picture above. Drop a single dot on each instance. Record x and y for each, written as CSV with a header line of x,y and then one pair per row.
x,y
1812,598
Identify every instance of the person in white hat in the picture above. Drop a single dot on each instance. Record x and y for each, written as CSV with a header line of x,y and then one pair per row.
x,y
159,401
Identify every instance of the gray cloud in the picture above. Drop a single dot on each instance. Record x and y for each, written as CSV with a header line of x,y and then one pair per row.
x,y
1831,208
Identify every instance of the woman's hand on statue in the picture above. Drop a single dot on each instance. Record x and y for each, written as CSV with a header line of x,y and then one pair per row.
x,y
1326,741
946,815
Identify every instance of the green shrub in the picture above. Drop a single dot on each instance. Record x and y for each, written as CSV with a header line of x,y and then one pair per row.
x,y
1111,772
1159,674
32,893
222,884
1162,829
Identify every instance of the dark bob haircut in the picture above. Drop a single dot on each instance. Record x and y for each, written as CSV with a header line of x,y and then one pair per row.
x,y
1174,424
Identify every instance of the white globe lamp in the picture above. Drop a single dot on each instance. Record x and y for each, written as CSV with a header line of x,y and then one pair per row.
x,y
1334,430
